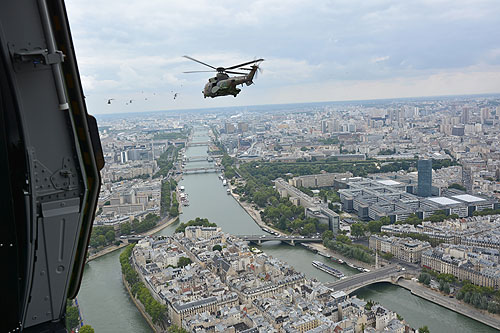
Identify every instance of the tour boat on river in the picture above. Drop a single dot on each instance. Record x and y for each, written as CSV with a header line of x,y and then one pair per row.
x,y
327,269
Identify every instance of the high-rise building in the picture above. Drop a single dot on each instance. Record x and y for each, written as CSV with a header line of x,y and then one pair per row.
x,y
335,126
324,126
458,130
465,116
485,115
242,127
424,168
229,128
124,156
467,177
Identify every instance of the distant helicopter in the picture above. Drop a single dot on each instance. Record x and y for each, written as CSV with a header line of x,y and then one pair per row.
x,y
223,84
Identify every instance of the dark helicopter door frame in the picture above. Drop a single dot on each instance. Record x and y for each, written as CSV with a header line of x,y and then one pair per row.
x,y
50,157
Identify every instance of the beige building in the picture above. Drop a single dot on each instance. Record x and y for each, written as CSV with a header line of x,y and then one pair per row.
x,y
406,249
248,295
455,260
178,311
125,209
319,180
201,232
305,324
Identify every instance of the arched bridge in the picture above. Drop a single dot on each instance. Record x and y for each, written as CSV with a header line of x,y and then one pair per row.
x,y
259,239
199,170
352,283
194,144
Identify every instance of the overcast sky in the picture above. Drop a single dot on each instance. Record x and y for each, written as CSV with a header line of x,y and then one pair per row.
x,y
313,50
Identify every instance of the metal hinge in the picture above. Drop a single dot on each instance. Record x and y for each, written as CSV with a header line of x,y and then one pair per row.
x,y
39,56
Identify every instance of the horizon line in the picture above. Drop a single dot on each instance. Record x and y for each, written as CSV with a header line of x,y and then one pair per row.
x,y
297,103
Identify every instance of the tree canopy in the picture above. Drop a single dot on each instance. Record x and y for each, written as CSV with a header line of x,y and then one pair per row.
x,y
203,222
149,222
166,161
358,230
458,187
176,329
424,329
154,308
71,317
101,236
344,246
86,329
183,261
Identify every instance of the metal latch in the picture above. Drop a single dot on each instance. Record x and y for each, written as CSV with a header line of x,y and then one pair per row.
x,y
39,56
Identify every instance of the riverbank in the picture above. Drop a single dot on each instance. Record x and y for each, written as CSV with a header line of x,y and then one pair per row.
x,y
139,306
106,250
322,248
160,226
254,214
451,303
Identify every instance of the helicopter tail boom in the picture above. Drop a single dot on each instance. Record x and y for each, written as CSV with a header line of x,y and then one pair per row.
x,y
251,75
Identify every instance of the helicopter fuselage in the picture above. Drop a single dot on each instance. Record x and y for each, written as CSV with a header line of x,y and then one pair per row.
x,y
224,85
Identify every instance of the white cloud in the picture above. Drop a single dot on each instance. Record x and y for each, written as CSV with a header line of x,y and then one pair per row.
x,y
380,59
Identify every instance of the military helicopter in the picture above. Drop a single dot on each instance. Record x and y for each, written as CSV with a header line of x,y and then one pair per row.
x,y
223,84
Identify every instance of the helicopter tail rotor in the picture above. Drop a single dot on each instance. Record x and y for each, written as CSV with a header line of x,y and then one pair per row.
x,y
251,75
259,71
254,70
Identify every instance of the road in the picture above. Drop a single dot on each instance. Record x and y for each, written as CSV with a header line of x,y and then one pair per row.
x,y
451,303
264,238
363,278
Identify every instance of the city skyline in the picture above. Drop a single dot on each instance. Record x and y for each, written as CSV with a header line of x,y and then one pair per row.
x,y
253,107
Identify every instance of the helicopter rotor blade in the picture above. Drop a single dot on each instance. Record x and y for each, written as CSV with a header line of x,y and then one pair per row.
x,y
231,72
199,72
244,64
200,62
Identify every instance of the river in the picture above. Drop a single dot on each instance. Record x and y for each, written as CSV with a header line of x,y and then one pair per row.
x,y
106,306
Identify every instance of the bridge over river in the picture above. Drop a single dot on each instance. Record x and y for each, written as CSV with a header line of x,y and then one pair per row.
x,y
259,239
194,144
391,274
200,170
